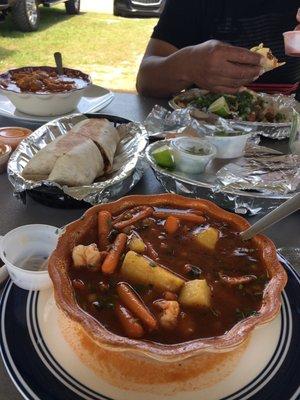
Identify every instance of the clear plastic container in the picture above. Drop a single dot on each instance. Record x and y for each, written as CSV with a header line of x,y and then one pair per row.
x,y
292,43
191,155
229,146
25,251
13,135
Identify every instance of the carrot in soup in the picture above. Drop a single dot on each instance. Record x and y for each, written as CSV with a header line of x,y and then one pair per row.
x,y
104,227
189,217
171,225
130,325
145,213
129,213
131,300
112,259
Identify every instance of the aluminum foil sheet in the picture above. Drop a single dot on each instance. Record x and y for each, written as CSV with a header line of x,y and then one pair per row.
x,y
265,173
284,104
207,185
127,170
160,122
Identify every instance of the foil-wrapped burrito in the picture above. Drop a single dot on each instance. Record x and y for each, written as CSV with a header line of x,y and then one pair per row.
x,y
78,157
104,161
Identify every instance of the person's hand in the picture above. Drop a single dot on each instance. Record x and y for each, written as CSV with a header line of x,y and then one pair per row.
x,y
222,68
298,20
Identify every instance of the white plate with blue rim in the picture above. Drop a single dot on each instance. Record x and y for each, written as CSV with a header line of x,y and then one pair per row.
x,y
42,365
95,99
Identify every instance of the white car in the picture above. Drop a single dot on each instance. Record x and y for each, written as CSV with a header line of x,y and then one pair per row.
x,y
138,8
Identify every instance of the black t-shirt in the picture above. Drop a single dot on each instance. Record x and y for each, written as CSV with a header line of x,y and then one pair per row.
x,y
244,23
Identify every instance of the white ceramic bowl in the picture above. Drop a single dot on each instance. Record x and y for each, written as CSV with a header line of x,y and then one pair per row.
x,y
184,158
292,43
22,248
229,146
44,104
4,156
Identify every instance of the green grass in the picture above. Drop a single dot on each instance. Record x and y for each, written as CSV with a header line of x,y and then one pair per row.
x,y
108,48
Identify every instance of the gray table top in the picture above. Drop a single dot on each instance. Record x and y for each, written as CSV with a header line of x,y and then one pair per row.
x,y
14,213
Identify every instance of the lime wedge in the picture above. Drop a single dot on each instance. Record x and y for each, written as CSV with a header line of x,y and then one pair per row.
x,y
220,107
163,157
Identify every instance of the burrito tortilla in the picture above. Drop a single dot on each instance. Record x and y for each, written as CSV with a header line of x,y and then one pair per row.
x,y
42,163
78,157
103,134
89,165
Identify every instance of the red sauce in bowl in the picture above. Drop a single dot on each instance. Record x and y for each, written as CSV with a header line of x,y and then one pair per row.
x,y
232,269
13,135
43,80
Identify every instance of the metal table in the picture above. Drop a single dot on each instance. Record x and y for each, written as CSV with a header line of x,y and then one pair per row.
x,y
14,213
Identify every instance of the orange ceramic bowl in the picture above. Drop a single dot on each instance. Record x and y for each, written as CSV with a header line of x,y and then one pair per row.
x,y
119,351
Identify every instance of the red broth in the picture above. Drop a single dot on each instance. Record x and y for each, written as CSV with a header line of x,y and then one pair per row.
x,y
96,293
43,80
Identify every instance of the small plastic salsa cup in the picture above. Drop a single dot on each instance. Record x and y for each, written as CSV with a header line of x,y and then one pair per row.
x,y
191,155
13,135
229,144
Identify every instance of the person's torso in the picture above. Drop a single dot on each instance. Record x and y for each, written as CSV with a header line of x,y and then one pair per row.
x,y
248,23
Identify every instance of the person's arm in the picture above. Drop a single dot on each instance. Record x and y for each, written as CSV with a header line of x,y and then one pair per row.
x,y
162,70
212,65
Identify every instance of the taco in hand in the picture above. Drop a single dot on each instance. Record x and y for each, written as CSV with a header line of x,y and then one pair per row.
x,y
269,60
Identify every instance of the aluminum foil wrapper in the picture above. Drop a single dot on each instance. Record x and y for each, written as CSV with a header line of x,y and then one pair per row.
x,y
127,170
161,123
294,141
263,172
282,103
207,185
